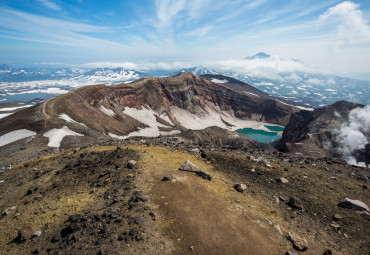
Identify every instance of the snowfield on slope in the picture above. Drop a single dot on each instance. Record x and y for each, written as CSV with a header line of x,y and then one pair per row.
x,y
3,115
212,115
69,119
147,116
15,136
108,112
56,135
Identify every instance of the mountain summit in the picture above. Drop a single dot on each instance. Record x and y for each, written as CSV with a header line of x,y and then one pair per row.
x,y
260,55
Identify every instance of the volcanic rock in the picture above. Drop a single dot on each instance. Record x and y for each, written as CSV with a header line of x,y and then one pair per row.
x,y
295,203
189,166
353,204
168,177
240,187
131,164
37,233
204,175
299,243
24,233
282,180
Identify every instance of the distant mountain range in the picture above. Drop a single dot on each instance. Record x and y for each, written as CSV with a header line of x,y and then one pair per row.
x,y
303,87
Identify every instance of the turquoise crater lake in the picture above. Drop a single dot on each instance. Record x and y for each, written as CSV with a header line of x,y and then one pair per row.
x,y
263,136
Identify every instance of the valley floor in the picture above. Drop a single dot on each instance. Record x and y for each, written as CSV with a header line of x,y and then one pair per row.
x,y
89,202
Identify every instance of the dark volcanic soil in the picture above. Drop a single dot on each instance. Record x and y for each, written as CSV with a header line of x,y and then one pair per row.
x,y
83,203
90,202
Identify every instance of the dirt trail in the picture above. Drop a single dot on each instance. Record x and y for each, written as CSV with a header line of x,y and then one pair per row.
x,y
200,216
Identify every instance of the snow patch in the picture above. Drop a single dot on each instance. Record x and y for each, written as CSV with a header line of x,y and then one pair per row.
x,y
147,116
15,136
304,108
299,107
56,135
108,112
249,93
219,81
3,115
212,115
69,119
9,109
263,84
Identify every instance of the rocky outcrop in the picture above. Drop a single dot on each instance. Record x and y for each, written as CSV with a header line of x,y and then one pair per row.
x,y
323,132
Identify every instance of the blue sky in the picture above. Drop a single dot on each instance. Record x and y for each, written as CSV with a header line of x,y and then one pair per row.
x,y
329,35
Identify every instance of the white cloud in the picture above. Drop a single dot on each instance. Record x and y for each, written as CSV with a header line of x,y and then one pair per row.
x,y
51,5
271,68
126,65
353,135
351,27
30,27
200,31
167,10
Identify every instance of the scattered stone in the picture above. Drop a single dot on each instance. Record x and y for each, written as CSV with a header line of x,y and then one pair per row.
x,y
268,165
291,253
56,238
277,200
188,166
196,150
335,225
37,233
327,252
353,204
286,169
131,164
299,243
278,229
24,233
366,213
240,187
281,199
282,180
8,210
295,203
253,170
345,235
337,217
31,190
204,175
138,196
114,215
139,220
168,177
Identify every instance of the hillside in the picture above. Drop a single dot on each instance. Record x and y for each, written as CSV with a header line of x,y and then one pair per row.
x,y
149,107
91,201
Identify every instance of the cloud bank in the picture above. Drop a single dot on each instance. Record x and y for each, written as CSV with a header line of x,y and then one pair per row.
x,y
354,135
271,68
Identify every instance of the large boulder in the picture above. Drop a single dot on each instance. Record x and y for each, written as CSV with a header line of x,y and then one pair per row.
x,y
353,204
189,166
